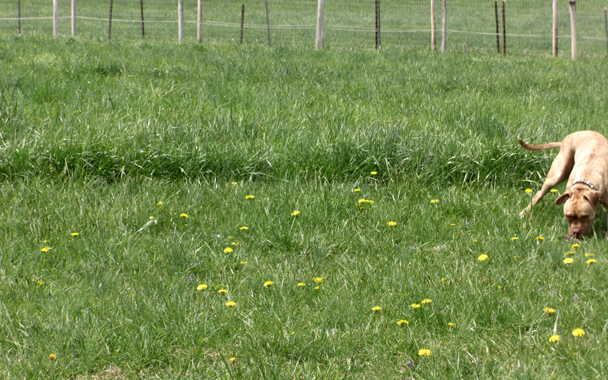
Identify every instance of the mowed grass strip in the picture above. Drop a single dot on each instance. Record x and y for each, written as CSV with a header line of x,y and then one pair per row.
x,y
292,294
157,110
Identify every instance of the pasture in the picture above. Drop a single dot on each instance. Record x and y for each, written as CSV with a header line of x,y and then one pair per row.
x,y
133,173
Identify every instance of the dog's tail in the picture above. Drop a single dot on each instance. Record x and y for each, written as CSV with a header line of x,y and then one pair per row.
x,y
552,145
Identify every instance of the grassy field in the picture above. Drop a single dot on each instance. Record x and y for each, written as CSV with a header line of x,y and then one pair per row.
x,y
128,170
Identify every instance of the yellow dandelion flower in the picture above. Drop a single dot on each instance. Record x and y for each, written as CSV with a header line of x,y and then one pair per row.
x,y
451,324
553,190
300,284
319,280
52,356
295,213
242,262
233,183
376,308
575,246
515,238
415,306
433,201
554,339
570,253
549,310
540,238
373,173
151,217
443,279
402,322
568,261
201,287
356,190
250,197
183,215
528,191
244,228
232,359
424,352
46,249
591,261
159,204
482,257
362,200
74,234
425,301
316,288
391,224
222,291
268,284
589,254
578,332
474,241
452,224
228,250
230,303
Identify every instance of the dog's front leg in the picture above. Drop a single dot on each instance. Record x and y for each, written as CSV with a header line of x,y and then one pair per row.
x,y
559,172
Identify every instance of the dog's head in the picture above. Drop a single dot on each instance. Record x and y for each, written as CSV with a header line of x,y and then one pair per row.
x,y
580,203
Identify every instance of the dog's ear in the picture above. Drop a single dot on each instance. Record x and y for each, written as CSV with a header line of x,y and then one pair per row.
x,y
563,198
592,196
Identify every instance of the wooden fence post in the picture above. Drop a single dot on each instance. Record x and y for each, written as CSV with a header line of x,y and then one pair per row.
x,y
497,27
73,18
320,41
555,19
504,30
268,23
180,20
55,18
378,24
143,28
110,21
572,4
433,27
606,25
19,14
444,30
199,22
242,21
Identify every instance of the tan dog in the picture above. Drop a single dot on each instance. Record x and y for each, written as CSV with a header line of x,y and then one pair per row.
x,y
583,160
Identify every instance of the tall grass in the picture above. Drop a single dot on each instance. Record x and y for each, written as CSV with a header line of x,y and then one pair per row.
x,y
165,111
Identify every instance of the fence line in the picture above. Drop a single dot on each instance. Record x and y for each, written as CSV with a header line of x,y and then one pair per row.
x,y
470,23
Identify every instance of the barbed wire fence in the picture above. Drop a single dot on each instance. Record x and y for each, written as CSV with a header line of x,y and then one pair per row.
x,y
471,25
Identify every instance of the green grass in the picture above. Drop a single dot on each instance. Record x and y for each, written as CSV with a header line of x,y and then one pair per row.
x,y
95,135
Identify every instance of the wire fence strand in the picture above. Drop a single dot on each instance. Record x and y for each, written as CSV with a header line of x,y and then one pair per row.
x,y
471,24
